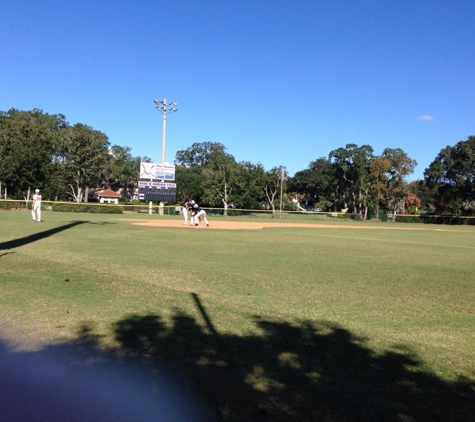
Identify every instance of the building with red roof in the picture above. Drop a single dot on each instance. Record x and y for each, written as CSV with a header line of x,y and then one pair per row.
x,y
109,196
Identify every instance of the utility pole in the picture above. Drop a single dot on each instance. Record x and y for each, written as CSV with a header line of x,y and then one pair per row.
x,y
282,177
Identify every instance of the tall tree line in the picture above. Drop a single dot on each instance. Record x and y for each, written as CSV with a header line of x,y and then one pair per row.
x,y
450,178
354,178
207,173
39,150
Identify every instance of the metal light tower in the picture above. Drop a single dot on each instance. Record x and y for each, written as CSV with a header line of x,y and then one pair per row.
x,y
164,108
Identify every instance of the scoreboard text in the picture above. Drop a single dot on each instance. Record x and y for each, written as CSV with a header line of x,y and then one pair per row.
x,y
157,191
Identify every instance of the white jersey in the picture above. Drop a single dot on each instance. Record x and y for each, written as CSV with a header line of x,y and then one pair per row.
x,y
36,200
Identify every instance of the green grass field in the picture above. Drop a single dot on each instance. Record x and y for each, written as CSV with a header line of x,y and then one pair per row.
x,y
279,324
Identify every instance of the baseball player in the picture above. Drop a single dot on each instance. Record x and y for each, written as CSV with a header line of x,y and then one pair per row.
x,y
187,206
36,210
198,212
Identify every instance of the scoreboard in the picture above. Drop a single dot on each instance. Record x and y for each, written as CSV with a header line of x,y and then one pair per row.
x,y
157,191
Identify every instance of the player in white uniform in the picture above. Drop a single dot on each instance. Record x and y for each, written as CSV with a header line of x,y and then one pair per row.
x,y
36,210
187,206
198,212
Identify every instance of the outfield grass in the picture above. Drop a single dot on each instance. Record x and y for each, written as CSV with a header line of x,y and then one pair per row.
x,y
278,324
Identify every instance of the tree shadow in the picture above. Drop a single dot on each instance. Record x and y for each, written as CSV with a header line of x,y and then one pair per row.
x,y
37,236
297,372
303,371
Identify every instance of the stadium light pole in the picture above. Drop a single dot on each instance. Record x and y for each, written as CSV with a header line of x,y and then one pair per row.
x,y
163,107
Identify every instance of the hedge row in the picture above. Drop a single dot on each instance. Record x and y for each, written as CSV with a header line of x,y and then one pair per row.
x,y
452,220
85,207
343,215
427,219
6,205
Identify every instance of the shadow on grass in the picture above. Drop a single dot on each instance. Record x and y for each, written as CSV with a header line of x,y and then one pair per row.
x,y
305,371
297,372
6,253
37,236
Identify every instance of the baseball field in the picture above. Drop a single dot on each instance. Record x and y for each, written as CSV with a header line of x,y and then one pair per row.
x,y
301,318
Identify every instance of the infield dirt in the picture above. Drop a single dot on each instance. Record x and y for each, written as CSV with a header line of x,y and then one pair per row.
x,y
253,225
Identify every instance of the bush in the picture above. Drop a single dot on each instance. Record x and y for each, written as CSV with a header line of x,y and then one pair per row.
x,y
86,207
5,205
436,219
409,219
448,219
342,215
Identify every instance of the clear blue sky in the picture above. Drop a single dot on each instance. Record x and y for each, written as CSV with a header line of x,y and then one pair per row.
x,y
275,81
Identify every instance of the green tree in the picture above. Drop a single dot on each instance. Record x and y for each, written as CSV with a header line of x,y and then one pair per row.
x,y
351,170
122,169
272,186
219,172
28,144
83,159
188,183
452,174
199,154
221,179
469,207
319,181
378,179
249,192
189,169
400,166
353,176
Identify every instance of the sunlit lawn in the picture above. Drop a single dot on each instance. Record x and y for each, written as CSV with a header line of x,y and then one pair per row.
x,y
279,323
